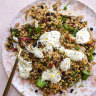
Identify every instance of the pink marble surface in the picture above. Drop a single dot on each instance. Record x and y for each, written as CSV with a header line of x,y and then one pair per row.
x,y
8,9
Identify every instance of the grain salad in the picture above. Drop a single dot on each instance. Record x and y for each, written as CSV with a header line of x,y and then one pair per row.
x,y
57,48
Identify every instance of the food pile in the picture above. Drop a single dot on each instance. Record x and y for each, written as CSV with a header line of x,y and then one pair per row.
x,y
57,48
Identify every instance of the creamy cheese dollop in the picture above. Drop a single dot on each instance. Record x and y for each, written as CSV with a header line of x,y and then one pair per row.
x,y
52,75
83,36
36,51
24,68
50,38
65,64
74,55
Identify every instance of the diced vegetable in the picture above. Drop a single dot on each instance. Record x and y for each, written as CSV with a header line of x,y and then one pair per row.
x,y
41,83
76,48
59,26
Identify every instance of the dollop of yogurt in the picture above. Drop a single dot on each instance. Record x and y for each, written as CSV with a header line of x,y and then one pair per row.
x,y
24,68
83,36
50,38
36,51
65,64
52,75
74,55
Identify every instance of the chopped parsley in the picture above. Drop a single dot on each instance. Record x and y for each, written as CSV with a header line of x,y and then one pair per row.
x,y
65,7
38,30
63,18
91,57
59,26
73,31
77,48
85,74
29,35
41,83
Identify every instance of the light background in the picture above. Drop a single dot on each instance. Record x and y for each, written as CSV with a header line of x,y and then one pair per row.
x,y
8,10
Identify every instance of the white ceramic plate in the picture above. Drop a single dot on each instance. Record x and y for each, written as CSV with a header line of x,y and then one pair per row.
x,y
24,86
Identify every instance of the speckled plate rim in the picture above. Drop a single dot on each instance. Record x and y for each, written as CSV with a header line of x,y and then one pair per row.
x,y
13,20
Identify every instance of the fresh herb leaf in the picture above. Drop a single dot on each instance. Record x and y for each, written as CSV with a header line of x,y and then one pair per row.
x,y
74,32
38,30
30,30
91,57
86,72
70,29
41,83
91,51
65,7
44,63
73,73
76,48
87,65
29,35
59,26
65,26
63,18
49,59
84,77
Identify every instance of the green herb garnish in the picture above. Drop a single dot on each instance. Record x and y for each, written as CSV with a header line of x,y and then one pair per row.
x,y
73,73
76,48
41,83
85,74
84,77
30,30
63,18
29,35
59,26
49,59
38,30
65,7
74,32
44,63
65,26
91,57
87,65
